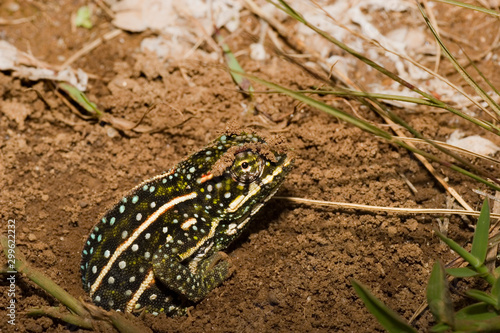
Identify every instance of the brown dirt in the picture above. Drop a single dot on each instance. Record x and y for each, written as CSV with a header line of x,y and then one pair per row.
x,y
59,174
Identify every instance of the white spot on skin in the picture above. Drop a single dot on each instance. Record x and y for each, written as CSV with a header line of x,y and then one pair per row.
x,y
97,299
153,297
111,280
138,217
165,230
153,204
124,234
132,279
106,254
94,269
227,195
122,208
135,247
147,255
122,264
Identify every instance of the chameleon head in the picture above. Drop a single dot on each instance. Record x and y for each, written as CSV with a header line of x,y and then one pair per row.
x,y
246,172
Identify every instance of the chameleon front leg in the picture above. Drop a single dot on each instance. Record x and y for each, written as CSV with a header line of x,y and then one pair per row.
x,y
210,273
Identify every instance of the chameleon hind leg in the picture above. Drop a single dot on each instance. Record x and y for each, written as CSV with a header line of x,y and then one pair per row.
x,y
209,273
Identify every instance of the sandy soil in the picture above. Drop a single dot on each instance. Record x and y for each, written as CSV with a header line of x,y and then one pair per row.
x,y
59,173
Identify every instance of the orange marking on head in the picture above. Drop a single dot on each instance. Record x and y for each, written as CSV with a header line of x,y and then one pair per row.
x,y
206,177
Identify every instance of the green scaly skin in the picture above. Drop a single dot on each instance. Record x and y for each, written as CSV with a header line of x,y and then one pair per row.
x,y
158,249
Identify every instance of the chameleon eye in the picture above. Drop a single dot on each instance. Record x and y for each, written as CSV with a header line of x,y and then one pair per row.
x,y
247,167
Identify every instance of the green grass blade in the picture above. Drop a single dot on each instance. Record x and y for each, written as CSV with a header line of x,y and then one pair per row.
x,y
477,311
482,76
480,240
495,292
461,272
481,296
290,11
234,67
440,328
438,296
476,264
80,98
390,97
389,319
479,317
45,282
471,259
364,125
458,67
469,6
58,313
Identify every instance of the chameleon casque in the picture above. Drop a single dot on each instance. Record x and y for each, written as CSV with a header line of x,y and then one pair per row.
x,y
158,249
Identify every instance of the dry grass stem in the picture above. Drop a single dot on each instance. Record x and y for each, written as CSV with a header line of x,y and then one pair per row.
x,y
90,46
396,210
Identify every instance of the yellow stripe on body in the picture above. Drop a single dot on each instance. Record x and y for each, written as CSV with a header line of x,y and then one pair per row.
x,y
149,280
120,249
188,253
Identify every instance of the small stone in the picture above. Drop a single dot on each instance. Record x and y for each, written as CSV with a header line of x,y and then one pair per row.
x,y
392,231
12,6
45,197
112,132
83,204
31,237
273,298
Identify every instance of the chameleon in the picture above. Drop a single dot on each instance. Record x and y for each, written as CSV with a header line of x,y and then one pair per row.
x,y
159,249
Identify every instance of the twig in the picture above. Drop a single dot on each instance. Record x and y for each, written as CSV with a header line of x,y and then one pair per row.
x,y
90,46
105,8
407,181
16,21
451,147
492,253
435,24
396,210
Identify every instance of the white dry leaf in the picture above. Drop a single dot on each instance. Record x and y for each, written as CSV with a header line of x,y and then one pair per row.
x,y
174,20
163,15
139,15
388,5
474,143
28,67
258,52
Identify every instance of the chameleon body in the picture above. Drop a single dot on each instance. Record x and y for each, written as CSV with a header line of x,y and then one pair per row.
x,y
158,249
